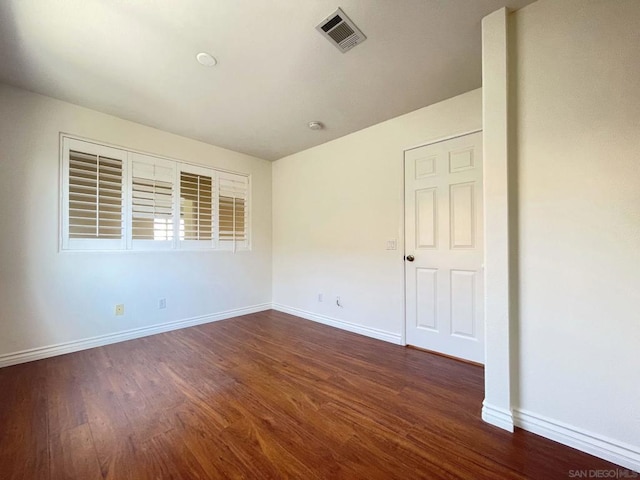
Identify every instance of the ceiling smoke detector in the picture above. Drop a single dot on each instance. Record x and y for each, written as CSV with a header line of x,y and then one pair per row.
x,y
341,31
316,125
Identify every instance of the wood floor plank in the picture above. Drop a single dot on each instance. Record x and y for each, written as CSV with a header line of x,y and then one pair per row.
x,y
73,455
166,459
24,440
252,440
66,408
110,427
266,395
203,439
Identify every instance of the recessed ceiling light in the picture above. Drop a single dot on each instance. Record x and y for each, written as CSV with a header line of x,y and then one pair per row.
x,y
206,59
316,125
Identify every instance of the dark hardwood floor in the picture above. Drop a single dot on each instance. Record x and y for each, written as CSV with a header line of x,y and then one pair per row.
x,y
261,396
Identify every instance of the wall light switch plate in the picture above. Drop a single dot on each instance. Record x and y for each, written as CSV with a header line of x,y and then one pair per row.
x,y
392,245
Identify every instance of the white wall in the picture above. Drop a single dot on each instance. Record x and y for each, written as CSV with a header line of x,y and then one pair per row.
x,y
336,205
47,297
576,72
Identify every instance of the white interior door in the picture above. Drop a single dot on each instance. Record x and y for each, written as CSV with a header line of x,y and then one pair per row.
x,y
443,247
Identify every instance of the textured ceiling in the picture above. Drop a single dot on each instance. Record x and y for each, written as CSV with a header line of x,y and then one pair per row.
x,y
275,72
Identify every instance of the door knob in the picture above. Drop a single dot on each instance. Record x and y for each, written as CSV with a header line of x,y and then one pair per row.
x,y
410,258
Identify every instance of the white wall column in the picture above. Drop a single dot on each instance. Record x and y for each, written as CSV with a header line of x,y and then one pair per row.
x,y
497,403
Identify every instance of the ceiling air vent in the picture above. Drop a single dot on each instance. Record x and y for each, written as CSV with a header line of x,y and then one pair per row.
x,y
341,31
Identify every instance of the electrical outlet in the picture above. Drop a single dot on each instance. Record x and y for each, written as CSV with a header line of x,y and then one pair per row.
x,y
120,309
162,303
320,297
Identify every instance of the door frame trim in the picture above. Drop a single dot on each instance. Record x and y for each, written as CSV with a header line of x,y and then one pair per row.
x,y
403,334
439,140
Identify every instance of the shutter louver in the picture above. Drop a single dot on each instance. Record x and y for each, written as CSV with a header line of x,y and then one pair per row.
x,y
196,201
152,202
95,196
233,209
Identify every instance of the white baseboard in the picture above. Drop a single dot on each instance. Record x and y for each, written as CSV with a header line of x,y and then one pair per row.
x,y
498,417
609,449
333,322
77,345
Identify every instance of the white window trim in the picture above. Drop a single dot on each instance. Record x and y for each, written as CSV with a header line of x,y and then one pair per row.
x,y
127,244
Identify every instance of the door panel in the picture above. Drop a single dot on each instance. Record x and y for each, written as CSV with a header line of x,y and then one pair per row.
x,y
443,221
426,284
462,223
462,303
426,218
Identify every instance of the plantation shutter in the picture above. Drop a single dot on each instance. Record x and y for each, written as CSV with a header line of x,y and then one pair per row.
x,y
152,200
114,199
196,205
95,196
233,213
93,214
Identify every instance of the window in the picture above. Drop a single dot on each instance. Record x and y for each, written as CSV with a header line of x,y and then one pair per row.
x,y
232,210
152,201
118,200
93,214
196,207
